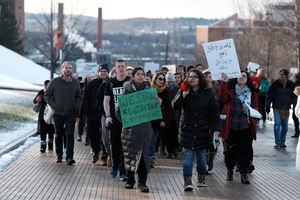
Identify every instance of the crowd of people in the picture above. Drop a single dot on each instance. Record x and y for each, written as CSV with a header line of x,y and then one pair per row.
x,y
196,112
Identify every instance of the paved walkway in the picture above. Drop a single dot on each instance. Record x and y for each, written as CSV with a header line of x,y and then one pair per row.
x,y
36,176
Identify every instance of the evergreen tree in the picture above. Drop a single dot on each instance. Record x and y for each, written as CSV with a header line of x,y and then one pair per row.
x,y
9,31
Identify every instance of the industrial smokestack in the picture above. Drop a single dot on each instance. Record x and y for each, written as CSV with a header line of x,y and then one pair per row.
x,y
60,17
100,32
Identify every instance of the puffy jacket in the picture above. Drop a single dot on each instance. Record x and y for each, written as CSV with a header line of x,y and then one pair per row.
x,y
89,97
199,114
279,97
137,139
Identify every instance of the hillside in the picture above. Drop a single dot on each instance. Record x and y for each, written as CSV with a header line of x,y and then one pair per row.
x,y
133,26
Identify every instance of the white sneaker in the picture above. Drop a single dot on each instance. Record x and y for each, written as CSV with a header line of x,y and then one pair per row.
x,y
201,185
264,124
188,188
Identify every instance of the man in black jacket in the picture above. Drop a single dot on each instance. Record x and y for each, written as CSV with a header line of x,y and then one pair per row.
x,y
92,111
281,95
64,97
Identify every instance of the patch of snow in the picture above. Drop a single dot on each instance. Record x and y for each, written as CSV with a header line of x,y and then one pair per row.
x,y
11,136
16,67
10,157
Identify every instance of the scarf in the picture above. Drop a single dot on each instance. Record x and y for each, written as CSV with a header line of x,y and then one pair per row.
x,y
244,94
158,89
172,87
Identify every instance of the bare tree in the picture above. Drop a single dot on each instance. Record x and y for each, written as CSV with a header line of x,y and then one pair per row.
x,y
40,35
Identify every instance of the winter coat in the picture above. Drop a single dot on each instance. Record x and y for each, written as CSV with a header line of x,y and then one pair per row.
x,y
226,95
136,140
43,127
281,98
64,97
89,98
172,114
164,109
199,114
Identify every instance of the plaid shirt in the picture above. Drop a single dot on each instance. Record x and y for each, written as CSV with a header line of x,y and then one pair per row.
x,y
239,119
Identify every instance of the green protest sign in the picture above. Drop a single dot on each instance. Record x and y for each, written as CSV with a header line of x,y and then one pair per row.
x,y
139,107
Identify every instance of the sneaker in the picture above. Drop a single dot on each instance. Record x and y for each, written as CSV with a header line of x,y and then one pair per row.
x,y
70,161
128,186
59,159
264,124
201,180
169,155
277,145
124,177
188,188
152,163
143,188
175,153
114,173
282,145
79,138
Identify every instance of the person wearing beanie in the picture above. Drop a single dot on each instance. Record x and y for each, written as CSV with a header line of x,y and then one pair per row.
x,y
129,71
172,123
281,95
93,113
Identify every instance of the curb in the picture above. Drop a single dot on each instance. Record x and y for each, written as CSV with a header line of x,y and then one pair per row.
x,y
17,143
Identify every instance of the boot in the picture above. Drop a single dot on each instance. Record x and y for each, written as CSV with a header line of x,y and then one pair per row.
x,y
43,148
296,135
229,175
95,157
50,146
244,178
210,162
188,186
201,180
251,167
109,162
162,150
87,141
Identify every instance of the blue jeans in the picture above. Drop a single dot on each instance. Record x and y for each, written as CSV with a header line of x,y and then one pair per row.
x,y
280,135
153,144
188,160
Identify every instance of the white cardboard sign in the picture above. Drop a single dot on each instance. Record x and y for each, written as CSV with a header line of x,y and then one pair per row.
x,y
87,70
151,66
221,57
172,68
253,66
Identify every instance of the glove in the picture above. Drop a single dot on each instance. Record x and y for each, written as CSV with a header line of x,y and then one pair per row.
x,y
267,109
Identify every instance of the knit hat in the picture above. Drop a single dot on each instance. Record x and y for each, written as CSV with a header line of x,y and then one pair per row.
x,y
170,77
129,68
285,71
103,66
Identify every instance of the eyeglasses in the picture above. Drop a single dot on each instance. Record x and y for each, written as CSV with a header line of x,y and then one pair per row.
x,y
193,77
161,79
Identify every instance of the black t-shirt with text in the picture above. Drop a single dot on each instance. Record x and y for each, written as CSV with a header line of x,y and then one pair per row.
x,y
114,88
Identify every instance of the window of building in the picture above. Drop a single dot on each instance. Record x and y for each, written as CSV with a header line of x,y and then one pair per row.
x,y
7,4
20,6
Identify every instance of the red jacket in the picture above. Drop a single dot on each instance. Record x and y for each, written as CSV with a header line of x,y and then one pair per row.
x,y
226,95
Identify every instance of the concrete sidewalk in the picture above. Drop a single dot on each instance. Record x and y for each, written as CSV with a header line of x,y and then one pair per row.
x,y
36,176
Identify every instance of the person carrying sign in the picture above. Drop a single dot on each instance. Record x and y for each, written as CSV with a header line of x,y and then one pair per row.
x,y
136,139
199,113
114,88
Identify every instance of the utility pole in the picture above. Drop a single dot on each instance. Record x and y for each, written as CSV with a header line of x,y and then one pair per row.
x,y
179,44
167,49
52,53
173,49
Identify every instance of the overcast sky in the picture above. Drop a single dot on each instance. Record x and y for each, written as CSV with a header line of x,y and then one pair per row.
x,y
123,9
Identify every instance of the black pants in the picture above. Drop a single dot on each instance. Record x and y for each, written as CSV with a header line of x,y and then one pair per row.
x,y
116,147
262,107
69,122
296,122
171,137
142,174
50,131
94,124
239,147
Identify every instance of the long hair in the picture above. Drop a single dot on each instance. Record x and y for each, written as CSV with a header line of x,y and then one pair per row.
x,y
249,83
214,85
155,77
202,79
296,77
261,73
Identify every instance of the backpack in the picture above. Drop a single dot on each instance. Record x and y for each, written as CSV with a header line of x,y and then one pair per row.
x,y
264,86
